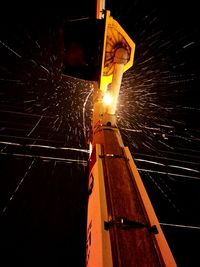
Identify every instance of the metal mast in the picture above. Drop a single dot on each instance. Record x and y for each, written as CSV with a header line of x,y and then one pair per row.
x,y
122,227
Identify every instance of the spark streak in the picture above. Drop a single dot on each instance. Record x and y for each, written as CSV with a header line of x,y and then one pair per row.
x,y
44,69
46,147
84,105
181,226
67,160
191,43
19,184
35,126
183,168
171,174
10,49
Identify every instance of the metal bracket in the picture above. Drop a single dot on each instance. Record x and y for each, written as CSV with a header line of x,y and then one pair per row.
x,y
124,223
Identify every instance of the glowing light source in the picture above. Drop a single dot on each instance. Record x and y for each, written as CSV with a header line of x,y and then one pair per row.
x,y
90,148
107,99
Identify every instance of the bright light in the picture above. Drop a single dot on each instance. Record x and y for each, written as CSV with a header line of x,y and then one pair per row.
x,y
90,148
107,99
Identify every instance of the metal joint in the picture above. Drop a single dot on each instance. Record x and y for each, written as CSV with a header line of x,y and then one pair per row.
x,y
124,223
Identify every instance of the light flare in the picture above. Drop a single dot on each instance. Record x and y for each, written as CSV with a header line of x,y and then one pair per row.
x,y
107,99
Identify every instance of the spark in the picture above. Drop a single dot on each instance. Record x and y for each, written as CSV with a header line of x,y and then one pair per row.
x,y
171,174
10,80
10,49
183,168
180,226
19,184
166,126
187,45
42,79
149,161
54,167
37,44
23,113
79,19
46,147
29,101
33,129
61,121
166,158
163,192
3,148
84,105
131,130
172,148
67,160
45,69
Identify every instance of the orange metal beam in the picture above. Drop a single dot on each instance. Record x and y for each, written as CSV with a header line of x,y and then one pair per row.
x,y
135,244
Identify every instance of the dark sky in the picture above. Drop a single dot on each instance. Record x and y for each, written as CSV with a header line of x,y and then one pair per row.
x,y
45,119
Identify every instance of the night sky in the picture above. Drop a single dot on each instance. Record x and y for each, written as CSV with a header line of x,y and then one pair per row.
x,y
45,119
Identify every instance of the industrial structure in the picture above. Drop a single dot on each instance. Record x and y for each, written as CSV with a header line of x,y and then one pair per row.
x,y
122,227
